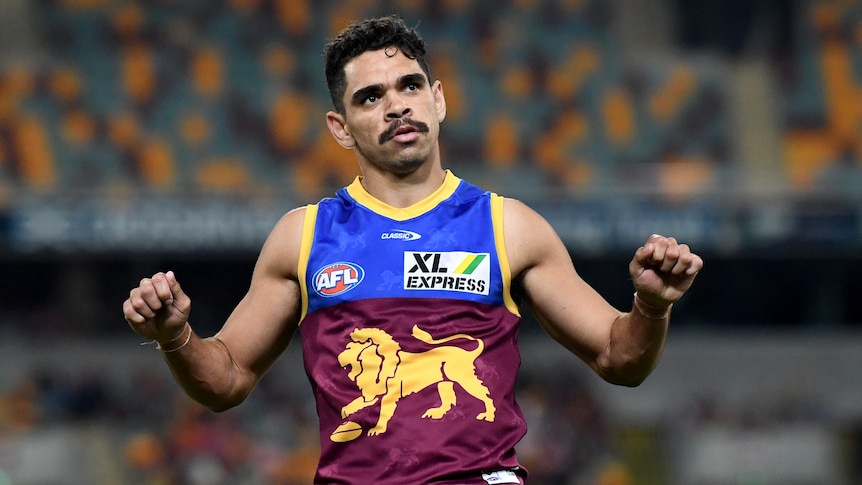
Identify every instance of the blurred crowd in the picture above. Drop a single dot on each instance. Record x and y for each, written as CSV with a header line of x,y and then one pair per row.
x,y
228,95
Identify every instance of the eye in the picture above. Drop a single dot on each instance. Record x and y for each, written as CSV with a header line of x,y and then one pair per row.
x,y
413,87
370,99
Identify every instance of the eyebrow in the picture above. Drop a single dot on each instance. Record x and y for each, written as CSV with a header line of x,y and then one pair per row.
x,y
415,78
360,94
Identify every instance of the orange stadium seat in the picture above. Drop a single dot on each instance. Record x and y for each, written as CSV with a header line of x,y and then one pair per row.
x,y
560,150
568,77
156,163
288,118
128,23
123,130
294,15
37,168
208,72
619,116
65,84
667,101
138,73
502,147
222,175
195,129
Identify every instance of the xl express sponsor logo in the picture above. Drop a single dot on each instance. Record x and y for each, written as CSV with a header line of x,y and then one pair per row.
x,y
453,271
337,278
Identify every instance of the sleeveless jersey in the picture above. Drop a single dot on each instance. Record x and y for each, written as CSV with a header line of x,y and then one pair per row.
x,y
409,338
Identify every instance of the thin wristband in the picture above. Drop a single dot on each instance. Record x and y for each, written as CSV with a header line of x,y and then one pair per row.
x,y
167,347
179,335
649,311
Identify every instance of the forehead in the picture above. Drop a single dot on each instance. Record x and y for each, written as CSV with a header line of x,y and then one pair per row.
x,y
382,66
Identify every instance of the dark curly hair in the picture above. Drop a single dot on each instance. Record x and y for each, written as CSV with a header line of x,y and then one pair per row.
x,y
363,36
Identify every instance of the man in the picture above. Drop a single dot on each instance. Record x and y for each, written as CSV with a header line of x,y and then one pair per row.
x,y
406,289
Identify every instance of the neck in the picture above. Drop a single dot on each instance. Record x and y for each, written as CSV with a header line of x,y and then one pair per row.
x,y
403,190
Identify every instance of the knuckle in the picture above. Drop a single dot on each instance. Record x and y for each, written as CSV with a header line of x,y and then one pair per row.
x,y
135,319
140,305
137,305
147,290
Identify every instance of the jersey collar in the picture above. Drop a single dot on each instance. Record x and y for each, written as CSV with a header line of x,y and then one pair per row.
x,y
446,189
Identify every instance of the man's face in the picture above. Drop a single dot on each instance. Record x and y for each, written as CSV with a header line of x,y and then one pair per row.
x,y
392,112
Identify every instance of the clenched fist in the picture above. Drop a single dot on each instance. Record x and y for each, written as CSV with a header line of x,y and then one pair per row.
x,y
158,309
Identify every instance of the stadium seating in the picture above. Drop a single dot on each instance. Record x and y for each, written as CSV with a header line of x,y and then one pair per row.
x,y
167,95
823,135
230,97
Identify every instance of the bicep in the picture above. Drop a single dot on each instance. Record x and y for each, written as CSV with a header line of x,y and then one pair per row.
x,y
568,308
262,324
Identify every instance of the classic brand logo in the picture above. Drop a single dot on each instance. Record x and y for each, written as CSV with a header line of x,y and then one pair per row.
x,y
337,278
401,235
454,271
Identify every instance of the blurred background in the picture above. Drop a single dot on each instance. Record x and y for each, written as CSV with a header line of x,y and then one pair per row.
x,y
144,135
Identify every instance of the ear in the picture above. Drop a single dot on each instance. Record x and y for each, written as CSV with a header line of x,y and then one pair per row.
x,y
338,128
439,100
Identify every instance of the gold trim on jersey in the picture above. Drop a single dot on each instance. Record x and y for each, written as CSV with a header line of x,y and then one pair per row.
x,y
358,192
502,256
304,253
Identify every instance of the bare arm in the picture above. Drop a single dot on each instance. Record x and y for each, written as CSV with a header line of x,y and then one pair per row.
x,y
221,371
622,347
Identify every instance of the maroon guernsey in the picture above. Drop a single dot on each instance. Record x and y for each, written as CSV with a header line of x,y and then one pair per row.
x,y
409,337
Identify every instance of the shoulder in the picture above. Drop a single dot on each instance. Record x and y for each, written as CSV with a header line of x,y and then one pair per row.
x,y
529,237
282,247
292,221
519,217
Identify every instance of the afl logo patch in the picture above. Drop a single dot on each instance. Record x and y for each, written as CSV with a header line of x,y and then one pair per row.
x,y
337,278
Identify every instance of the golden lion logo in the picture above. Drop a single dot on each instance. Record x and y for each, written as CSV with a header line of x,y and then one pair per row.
x,y
384,373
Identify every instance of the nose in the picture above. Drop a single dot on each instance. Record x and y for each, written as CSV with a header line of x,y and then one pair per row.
x,y
397,108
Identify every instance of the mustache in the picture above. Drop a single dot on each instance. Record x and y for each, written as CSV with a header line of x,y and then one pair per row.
x,y
398,124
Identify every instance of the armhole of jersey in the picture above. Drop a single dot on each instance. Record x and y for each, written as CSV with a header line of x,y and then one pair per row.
x,y
304,252
502,256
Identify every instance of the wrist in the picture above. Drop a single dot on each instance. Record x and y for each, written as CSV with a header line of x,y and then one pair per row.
x,y
179,341
651,312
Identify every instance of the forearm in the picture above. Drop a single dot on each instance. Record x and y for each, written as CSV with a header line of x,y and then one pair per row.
x,y
205,370
636,342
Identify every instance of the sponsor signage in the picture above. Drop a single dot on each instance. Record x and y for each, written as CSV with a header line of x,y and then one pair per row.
x,y
450,271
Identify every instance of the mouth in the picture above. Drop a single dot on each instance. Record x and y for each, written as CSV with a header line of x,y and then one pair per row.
x,y
403,131
405,135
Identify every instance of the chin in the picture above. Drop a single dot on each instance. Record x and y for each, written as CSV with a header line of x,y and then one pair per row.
x,y
414,162
406,164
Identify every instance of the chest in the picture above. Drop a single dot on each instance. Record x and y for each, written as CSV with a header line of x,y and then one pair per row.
x,y
447,252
